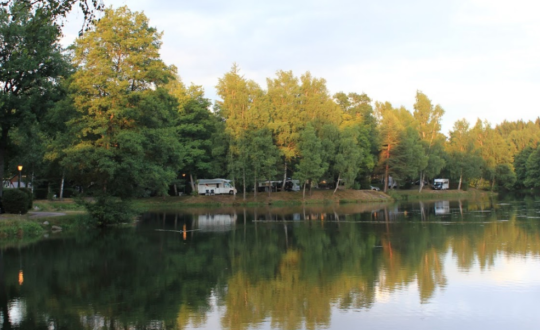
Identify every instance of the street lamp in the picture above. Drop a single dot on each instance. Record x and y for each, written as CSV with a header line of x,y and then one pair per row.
x,y
20,170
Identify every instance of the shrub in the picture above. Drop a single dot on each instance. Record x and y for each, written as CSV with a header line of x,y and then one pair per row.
x,y
30,196
107,210
15,201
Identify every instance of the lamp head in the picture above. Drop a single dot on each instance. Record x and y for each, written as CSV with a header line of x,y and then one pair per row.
x,y
19,168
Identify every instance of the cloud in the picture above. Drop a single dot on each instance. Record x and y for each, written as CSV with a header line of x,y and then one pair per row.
x,y
476,58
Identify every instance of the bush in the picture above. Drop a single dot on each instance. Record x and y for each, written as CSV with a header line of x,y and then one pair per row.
x,y
30,196
108,210
15,201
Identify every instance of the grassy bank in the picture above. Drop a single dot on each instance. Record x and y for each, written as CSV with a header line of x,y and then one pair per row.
x,y
342,196
31,226
428,194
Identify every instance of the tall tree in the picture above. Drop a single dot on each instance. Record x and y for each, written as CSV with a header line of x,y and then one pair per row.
x,y
286,119
262,156
428,118
310,166
463,161
126,131
391,123
243,106
32,64
196,126
348,157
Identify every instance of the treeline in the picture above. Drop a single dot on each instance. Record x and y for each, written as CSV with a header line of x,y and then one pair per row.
x,y
111,118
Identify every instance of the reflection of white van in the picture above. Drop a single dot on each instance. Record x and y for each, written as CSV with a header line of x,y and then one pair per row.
x,y
442,207
216,222
215,187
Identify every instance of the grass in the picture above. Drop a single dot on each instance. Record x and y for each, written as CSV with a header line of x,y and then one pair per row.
x,y
19,227
263,199
428,194
67,204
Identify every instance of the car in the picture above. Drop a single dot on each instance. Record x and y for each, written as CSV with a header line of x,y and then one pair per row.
x,y
375,188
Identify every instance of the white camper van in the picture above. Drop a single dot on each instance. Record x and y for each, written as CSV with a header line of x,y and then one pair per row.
x,y
215,187
441,184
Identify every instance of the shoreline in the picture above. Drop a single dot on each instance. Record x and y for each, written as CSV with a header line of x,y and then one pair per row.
x,y
65,213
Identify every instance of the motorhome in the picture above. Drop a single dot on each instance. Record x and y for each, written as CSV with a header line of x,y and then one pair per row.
x,y
441,184
392,183
215,187
290,185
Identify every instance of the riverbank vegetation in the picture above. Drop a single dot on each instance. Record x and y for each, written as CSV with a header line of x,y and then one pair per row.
x,y
108,118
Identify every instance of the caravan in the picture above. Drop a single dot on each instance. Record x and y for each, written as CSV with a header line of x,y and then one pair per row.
x,y
215,187
441,184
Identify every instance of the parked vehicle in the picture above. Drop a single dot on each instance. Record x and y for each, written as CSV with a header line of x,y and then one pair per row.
x,y
290,185
392,183
375,188
215,187
441,184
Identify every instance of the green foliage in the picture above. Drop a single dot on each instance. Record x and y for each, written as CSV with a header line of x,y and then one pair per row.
x,y
532,179
409,156
32,64
107,210
19,228
349,154
262,154
196,127
125,133
15,201
29,196
505,176
311,167
520,166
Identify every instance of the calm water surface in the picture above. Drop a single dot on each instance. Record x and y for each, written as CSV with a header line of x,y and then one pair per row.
x,y
443,265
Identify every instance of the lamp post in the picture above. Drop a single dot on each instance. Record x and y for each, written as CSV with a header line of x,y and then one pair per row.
x,y
20,170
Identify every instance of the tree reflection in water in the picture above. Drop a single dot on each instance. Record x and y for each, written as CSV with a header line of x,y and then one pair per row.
x,y
289,267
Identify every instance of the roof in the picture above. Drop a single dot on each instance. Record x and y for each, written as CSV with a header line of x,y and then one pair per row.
x,y
207,181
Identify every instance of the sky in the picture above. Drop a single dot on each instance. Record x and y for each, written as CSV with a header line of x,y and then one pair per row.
x,y
475,58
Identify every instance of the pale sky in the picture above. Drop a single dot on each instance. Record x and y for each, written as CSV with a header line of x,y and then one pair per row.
x,y
476,58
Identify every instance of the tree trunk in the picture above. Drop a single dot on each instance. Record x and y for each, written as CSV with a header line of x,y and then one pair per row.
x,y
386,170
62,185
337,183
460,179
255,188
244,181
309,182
32,180
421,183
191,181
304,192
175,190
3,147
284,176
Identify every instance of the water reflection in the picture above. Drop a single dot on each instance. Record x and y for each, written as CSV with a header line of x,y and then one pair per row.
x,y
287,268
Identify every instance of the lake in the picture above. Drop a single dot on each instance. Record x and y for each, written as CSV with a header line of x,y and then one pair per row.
x,y
423,265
